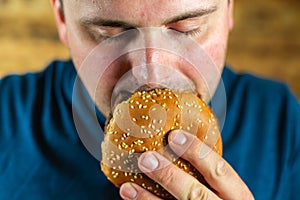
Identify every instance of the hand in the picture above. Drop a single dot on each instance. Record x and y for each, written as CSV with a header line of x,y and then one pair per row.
x,y
223,180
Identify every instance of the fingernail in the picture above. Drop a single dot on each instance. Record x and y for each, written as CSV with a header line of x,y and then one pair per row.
x,y
128,191
178,137
149,161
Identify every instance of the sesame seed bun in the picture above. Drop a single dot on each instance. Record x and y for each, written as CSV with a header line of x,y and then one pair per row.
x,y
142,123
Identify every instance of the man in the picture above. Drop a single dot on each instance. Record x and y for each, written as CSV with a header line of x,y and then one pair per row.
x,y
42,156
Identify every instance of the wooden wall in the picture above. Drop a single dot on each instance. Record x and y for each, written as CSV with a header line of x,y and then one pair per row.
x,y
265,41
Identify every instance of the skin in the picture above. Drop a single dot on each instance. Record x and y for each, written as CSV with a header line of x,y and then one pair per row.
x,y
79,30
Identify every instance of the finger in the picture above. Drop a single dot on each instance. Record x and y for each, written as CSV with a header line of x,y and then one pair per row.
x,y
177,182
216,171
130,191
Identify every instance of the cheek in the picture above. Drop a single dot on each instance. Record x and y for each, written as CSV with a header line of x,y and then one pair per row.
x,y
217,52
216,47
79,45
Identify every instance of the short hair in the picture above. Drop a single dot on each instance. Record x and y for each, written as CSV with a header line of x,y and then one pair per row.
x,y
62,6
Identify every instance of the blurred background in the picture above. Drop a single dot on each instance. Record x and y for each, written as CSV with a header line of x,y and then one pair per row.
x,y
265,40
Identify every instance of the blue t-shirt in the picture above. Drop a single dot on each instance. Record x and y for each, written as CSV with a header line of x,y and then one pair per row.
x,y
42,156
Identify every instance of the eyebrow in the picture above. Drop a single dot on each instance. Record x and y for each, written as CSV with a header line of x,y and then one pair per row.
x,y
105,22
121,24
192,14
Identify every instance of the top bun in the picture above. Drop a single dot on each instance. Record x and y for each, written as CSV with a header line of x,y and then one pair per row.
x,y
142,123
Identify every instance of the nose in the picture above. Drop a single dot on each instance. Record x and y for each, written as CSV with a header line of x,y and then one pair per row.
x,y
151,55
152,60
146,67
147,62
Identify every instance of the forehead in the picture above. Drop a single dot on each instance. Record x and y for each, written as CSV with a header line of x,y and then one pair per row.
x,y
137,11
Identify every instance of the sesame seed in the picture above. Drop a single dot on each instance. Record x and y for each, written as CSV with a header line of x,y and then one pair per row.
x,y
179,106
187,104
145,149
138,142
124,145
116,175
131,151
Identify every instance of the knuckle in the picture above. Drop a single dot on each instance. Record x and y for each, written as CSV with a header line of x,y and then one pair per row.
x,y
196,191
221,170
166,176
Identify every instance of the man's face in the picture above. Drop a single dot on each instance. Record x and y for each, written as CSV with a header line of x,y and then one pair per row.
x,y
88,23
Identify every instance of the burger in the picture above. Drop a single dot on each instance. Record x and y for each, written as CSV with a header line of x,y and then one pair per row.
x,y
142,123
